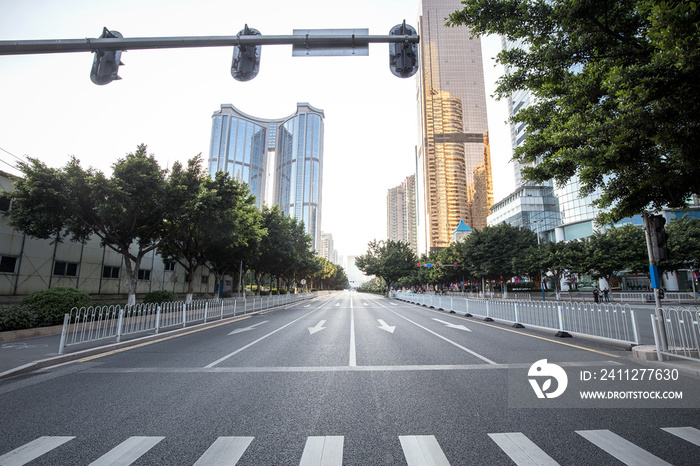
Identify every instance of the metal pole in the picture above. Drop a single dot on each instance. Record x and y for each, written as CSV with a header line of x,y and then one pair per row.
x,y
24,47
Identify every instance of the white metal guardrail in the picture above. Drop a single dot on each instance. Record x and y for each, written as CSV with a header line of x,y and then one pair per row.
x,y
611,321
648,297
682,332
83,325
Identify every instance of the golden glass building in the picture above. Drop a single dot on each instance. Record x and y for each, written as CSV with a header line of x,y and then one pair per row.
x,y
453,157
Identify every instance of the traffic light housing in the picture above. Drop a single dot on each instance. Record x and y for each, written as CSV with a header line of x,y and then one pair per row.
x,y
660,237
246,58
403,56
105,65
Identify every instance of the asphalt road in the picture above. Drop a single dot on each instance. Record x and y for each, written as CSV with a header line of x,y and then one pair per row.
x,y
351,379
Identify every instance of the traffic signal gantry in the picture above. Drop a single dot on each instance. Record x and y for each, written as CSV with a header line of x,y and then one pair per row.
x,y
247,44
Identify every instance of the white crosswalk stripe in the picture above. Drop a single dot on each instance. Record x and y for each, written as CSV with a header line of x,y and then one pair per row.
x,y
522,450
323,451
32,450
422,450
127,452
690,434
620,448
419,450
225,451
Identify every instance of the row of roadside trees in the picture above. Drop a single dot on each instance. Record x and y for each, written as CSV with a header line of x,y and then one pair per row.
x,y
183,214
502,252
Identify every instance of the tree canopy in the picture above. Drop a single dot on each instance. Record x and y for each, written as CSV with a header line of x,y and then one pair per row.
x,y
616,87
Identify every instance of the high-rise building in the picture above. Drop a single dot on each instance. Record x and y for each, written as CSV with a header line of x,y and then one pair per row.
x,y
327,249
281,160
453,157
401,213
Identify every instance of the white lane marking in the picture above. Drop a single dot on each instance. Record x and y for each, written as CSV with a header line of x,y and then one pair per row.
x,y
127,452
422,450
689,434
353,352
620,448
449,325
225,451
32,450
220,360
245,329
473,353
323,451
522,450
384,326
319,326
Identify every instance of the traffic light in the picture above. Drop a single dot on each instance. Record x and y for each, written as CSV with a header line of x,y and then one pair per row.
x,y
246,58
437,265
456,265
660,236
106,64
403,56
419,264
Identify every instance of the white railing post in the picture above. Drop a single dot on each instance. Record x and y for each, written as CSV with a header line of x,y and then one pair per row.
x,y
157,320
659,356
119,324
206,307
634,328
64,333
561,320
184,315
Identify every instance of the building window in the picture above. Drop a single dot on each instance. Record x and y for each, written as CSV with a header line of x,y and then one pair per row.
x,y
205,279
144,274
110,272
65,269
8,264
169,266
5,203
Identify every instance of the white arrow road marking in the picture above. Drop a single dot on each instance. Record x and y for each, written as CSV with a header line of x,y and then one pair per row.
x,y
308,305
337,304
384,326
365,304
245,329
393,304
319,326
449,325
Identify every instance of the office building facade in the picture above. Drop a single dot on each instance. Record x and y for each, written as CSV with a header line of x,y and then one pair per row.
x,y
281,160
453,157
401,218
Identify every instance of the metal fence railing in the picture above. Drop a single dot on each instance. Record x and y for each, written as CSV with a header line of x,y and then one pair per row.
x,y
83,325
611,321
648,297
682,332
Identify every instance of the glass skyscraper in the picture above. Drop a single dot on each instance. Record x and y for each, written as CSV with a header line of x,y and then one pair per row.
x,y
454,179
281,160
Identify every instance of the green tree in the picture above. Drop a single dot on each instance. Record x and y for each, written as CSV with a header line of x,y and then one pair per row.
x,y
220,217
127,211
616,87
684,242
493,252
617,249
390,260
559,259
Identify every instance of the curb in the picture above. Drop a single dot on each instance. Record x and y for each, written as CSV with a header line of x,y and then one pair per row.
x,y
646,354
65,358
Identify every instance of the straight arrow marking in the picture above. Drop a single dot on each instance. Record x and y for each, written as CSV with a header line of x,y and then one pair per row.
x,y
449,325
319,326
384,326
245,329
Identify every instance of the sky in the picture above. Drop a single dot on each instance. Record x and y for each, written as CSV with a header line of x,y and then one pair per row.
x,y
50,110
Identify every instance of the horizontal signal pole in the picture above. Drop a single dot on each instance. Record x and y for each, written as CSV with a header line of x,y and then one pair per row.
x,y
25,47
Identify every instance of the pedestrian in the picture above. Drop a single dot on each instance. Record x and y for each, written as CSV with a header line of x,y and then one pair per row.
x,y
595,295
605,295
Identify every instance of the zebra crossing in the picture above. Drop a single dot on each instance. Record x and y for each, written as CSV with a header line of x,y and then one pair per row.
x,y
418,450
